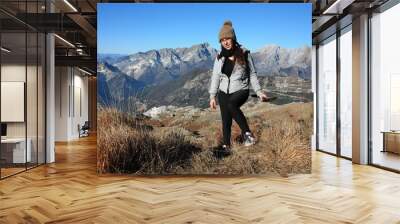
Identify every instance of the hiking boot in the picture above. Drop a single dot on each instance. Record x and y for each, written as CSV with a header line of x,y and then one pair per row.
x,y
226,149
223,151
249,139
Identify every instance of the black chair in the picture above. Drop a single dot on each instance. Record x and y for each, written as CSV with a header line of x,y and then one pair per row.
x,y
84,130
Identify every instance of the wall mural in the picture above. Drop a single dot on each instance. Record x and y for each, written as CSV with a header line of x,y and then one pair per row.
x,y
204,89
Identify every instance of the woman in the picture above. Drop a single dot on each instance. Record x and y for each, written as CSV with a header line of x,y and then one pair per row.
x,y
232,73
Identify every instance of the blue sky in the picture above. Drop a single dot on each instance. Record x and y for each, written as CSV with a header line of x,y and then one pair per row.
x,y
126,28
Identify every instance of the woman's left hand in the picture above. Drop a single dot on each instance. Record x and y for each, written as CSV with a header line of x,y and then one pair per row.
x,y
263,96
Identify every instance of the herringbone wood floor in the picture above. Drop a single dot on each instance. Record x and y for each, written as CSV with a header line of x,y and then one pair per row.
x,y
70,191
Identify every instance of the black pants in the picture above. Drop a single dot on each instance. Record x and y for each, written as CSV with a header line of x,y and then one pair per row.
x,y
230,108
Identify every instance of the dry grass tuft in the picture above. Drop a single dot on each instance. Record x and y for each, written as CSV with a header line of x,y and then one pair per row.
x,y
182,145
123,148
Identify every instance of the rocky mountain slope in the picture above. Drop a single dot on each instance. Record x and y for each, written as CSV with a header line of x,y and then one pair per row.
x,y
181,76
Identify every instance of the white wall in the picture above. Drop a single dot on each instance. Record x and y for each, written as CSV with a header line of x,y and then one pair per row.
x,y
81,94
62,82
13,101
33,126
14,72
70,84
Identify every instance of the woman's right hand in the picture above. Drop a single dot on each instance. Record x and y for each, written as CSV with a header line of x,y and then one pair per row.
x,y
213,104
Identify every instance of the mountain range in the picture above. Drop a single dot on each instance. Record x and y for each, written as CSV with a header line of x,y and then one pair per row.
x,y
156,67
181,76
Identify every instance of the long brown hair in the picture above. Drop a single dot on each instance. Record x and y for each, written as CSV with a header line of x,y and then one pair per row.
x,y
238,53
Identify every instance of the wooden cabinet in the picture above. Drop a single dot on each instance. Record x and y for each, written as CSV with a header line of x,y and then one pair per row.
x,y
391,142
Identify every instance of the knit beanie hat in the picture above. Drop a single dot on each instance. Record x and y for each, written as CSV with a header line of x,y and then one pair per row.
x,y
227,31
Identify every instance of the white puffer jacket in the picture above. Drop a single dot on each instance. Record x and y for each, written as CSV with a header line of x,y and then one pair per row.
x,y
236,81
